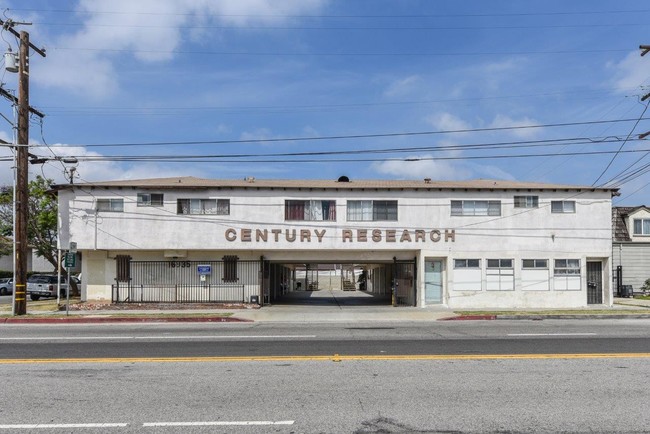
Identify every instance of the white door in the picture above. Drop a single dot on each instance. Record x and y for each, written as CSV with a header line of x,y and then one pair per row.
x,y
433,281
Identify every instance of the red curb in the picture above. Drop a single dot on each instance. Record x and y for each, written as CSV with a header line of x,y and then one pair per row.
x,y
120,320
470,318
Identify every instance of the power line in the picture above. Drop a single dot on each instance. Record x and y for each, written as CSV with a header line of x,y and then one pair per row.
x,y
334,54
361,136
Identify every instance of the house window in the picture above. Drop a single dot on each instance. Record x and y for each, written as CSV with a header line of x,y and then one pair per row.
x,y
499,263
150,199
110,205
641,226
467,263
563,206
203,206
310,210
372,210
526,201
567,266
535,263
230,268
475,207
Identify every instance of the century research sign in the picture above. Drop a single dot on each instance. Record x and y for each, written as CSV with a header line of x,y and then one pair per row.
x,y
257,235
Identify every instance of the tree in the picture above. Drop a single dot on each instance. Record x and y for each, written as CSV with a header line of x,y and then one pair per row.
x,y
41,222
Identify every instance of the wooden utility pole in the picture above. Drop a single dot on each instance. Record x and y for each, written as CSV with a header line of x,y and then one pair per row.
x,y
22,182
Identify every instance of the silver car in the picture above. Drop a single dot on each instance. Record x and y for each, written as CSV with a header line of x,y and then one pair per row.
x,y
6,286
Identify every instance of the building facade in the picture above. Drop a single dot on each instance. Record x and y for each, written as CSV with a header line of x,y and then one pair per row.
x,y
461,244
631,246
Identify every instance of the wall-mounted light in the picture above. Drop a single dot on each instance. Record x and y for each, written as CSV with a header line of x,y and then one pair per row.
x,y
11,61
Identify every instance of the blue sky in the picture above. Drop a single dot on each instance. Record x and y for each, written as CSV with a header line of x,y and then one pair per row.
x,y
233,71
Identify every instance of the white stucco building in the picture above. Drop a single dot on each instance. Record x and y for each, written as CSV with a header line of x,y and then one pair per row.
x,y
461,244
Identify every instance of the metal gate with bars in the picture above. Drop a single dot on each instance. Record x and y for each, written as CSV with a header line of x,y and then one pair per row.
x,y
226,281
404,278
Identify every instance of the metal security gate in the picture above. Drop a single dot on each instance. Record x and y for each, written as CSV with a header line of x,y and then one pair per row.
x,y
227,281
594,282
404,278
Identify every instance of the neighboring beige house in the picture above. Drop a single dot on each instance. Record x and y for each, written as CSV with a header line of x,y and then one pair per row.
x,y
35,263
631,245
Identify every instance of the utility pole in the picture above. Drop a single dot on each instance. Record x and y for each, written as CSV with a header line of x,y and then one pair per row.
x,y
644,50
22,167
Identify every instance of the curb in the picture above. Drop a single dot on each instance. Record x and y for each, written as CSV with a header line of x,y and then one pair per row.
x,y
139,319
469,318
543,317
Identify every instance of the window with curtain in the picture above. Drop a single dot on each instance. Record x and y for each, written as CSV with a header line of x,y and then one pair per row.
x,y
641,226
310,210
203,206
563,206
150,199
372,210
110,205
475,207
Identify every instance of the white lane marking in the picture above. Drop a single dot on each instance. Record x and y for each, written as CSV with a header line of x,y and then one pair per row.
x,y
79,338
221,423
64,425
552,334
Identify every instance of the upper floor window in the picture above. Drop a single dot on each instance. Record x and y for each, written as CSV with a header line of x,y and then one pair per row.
x,y
150,199
476,207
563,206
567,266
112,205
204,206
372,210
641,226
310,210
526,201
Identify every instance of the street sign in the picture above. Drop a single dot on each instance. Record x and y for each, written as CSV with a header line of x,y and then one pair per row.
x,y
73,247
70,260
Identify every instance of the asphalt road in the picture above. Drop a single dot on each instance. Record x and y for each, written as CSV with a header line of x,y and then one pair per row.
x,y
521,376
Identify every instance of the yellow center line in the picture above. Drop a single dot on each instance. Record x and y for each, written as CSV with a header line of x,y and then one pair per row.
x,y
333,358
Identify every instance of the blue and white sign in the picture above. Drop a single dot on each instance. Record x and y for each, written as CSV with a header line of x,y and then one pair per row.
x,y
204,270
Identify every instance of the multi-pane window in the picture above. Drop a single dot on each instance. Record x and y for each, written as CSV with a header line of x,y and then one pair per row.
x,y
641,226
499,263
567,266
475,207
372,210
310,210
467,263
203,206
526,201
150,199
535,263
112,205
563,206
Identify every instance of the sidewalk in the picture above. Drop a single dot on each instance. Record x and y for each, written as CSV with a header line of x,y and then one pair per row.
x,y
623,308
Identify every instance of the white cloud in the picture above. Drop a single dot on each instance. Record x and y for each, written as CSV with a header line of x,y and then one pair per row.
x,y
630,73
447,122
402,86
95,72
504,121
440,170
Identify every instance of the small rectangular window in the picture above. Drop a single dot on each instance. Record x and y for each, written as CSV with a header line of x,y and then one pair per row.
x,y
203,206
567,267
535,263
150,199
526,201
372,210
641,226
475,207
310,210
499,263
563,206
467,263
110,205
